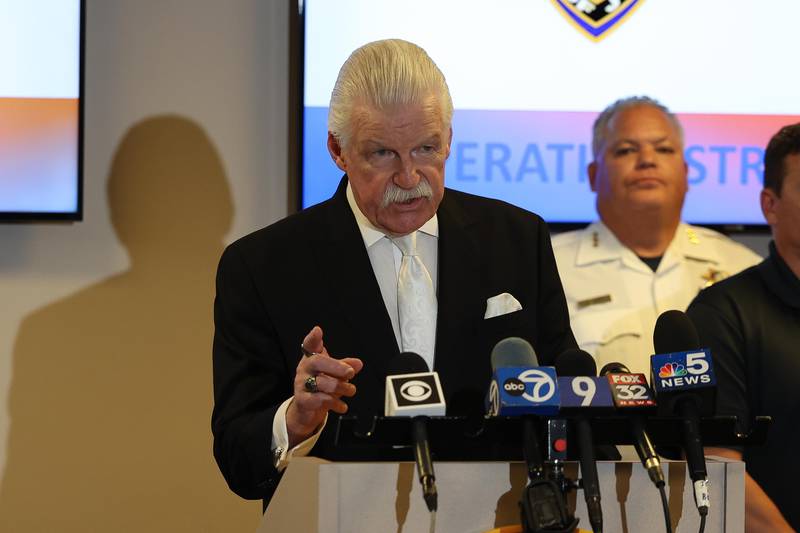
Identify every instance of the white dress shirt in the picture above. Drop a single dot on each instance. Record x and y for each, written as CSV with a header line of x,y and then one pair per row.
x,y
385,258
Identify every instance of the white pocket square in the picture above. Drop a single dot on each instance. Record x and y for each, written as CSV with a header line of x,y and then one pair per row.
x,y
502,304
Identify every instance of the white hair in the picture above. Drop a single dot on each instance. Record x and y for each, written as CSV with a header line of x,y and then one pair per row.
x,y
600,129
383,74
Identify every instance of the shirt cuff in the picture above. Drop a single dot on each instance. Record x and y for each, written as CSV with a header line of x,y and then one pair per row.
x,y
281,454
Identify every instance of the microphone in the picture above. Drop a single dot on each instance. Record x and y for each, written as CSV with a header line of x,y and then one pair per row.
x,y
575,362
521,387
514,363
411,390
685,385
630,391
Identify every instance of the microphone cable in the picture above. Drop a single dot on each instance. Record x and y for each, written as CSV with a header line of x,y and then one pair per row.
x,y
665,506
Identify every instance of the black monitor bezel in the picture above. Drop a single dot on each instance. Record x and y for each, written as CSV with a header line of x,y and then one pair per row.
x,y
77,214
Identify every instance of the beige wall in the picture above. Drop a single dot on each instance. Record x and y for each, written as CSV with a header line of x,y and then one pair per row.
x,y
105,325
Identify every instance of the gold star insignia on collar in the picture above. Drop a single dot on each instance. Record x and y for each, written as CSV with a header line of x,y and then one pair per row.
x,y
692,236
713,276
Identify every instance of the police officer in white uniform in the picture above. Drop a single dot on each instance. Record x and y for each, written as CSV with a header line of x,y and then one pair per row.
x,y
639,259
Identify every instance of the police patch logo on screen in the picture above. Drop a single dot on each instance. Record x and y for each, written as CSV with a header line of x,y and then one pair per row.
x,y
595,18
416,390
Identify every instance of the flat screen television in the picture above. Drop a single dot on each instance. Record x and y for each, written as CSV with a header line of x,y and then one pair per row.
x,y
528,78
41,103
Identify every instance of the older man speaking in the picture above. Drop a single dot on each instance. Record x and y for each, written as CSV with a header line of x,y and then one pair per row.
x,y
310,310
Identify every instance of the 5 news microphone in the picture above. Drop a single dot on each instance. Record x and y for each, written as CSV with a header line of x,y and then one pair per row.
x,y
685,385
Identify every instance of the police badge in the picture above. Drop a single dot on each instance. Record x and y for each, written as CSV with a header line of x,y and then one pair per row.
x,y
596,17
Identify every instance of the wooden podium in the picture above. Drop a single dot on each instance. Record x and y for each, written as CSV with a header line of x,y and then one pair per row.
x,y
474,497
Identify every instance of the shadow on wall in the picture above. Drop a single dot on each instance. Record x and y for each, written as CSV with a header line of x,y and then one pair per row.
x,y
111,394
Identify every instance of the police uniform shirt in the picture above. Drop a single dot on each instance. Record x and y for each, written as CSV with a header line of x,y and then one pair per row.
x,y
614,298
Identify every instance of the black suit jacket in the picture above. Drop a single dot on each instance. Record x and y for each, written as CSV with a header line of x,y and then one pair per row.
x,y
312,268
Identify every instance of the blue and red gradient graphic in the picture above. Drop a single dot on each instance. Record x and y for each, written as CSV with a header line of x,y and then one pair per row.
x,y
537,160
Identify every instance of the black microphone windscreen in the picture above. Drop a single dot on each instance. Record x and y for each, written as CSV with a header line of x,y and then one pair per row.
x,y
614,368
675,332
513,351
406,363
575,362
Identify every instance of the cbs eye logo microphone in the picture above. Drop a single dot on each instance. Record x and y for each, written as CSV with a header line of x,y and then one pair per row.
x,y
414,395
415,390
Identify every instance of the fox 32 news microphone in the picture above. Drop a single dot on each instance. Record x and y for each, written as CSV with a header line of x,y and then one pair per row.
x,y
412,390
633,396
584,395
685,386
520,387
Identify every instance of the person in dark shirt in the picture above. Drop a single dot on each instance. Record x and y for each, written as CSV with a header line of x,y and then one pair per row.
x,y
751,323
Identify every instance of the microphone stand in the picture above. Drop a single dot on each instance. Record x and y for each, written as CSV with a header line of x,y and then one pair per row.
x,y
422,456
589,478
557,455
542,507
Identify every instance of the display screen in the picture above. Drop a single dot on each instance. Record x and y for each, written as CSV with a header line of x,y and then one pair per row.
x,y
528,78
40,109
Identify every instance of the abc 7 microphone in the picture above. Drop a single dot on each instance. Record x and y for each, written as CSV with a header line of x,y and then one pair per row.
x,y
411,390
520,387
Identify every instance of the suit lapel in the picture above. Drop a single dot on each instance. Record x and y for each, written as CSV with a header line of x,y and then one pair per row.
x,y
460,304
353,283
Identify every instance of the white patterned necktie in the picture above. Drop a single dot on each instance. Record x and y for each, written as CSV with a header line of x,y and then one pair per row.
x,y
416,301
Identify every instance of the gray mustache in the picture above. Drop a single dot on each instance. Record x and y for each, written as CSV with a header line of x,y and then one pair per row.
x,y
394,194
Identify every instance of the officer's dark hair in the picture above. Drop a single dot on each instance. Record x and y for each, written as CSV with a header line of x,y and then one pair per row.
x,y
784,143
